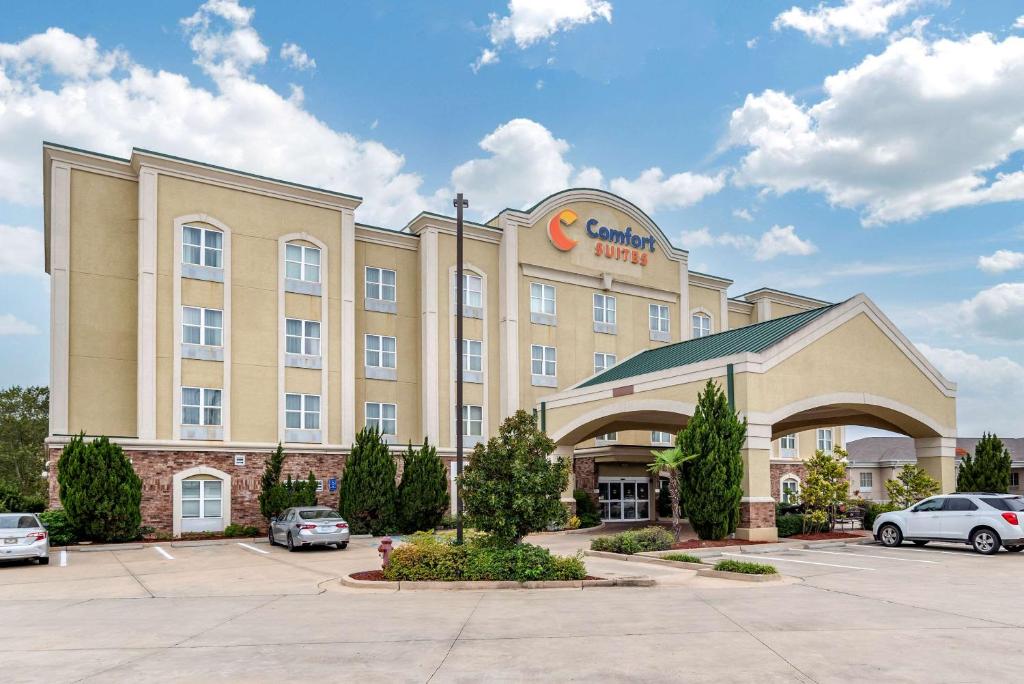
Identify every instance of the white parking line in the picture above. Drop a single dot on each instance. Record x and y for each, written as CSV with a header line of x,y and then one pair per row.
x,y
867,555
164,553
962,554
759,557
63,558
252,548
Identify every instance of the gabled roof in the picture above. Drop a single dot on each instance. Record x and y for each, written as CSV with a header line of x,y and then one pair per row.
x,y
875,450
751,339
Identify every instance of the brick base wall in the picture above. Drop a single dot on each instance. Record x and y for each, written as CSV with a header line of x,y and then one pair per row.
x,y
757,514
584,471
780,470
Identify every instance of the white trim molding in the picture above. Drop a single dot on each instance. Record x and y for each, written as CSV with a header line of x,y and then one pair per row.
x,y
147,304
508,317
60,279
469,269
180,476
347,268
430,373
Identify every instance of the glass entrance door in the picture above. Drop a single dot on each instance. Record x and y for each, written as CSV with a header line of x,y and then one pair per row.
x,y
624,499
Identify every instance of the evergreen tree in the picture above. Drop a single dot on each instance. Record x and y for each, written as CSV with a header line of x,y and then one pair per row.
x,y
273,497
712,482
423,493
368,491
99,490
910,486
510,488
988,470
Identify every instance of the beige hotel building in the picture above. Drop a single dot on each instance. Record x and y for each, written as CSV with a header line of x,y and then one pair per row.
x,y
201,315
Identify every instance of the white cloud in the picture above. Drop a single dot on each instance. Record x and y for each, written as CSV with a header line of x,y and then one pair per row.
x,y
700,237
531,21
852,19
752,43
61,87
777,241
297,57
995,313
10,325
21,250
743,214
917,129
1001,261
990,392
652,191
1019,23
588,177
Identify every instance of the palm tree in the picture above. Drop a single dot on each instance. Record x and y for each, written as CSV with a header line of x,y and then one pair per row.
x,y
671,460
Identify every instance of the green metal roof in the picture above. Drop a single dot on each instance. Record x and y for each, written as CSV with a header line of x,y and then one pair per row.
x,y
751,338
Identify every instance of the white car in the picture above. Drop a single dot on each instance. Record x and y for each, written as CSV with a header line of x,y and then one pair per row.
x,y
985,521
23,537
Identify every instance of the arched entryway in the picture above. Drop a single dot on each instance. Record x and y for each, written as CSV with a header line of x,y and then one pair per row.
x,y
202,500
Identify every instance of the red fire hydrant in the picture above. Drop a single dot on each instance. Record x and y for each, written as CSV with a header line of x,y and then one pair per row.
x,y
385,551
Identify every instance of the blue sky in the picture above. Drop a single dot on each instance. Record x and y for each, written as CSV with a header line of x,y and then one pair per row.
x,y
826,149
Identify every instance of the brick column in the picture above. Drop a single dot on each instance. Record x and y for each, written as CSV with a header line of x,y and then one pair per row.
x,y
757,508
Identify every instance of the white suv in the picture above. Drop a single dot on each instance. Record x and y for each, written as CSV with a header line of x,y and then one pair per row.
x,y
985,521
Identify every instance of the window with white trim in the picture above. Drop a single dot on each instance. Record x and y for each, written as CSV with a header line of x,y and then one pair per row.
x,y
201,498
302,263
543,360
472,421
787,446
658,437
472,356
658,317
384,417
604,308
202,326
790,490
302,337
302,411
472,290
701,324
603,361
608,437
542,299
825,440
380,283
380,351
202,246
200,406
867,481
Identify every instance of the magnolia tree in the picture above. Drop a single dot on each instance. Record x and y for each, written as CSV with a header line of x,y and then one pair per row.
x,y
910,486
825,489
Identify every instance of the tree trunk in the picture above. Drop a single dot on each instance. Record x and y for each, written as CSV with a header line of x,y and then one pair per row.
x,y
673,491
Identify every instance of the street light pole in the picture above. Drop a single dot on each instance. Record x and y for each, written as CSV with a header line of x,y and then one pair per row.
x,y
460,204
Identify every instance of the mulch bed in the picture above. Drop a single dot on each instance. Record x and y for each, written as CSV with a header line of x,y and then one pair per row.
x,y
712,543
822,536
378,576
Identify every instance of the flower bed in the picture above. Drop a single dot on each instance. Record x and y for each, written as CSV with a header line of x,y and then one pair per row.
x,y
634,541
745,568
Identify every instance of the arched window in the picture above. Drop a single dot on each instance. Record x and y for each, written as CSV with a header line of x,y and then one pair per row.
x,y
789,489
701,324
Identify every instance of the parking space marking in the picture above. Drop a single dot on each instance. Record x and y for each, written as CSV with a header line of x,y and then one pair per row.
x,y
163,553
252,548
867,555
759,557
961,554
63,558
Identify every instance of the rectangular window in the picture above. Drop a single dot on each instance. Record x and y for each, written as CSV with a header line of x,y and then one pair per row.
x,y
604,309
1015,479
790,490
380,351
302,263
202,246
302,337
200,406
701,325
662,437
609,437
472,356
603,361
866,481
472,421
825,440
542,299
787,445
472,290
302,411
543,360
380,283
202,326
384,417
658,318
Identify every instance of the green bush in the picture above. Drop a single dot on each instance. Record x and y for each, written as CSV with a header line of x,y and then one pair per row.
x,y
368,492
682,557
634,541
873,510
586,509
234,530
790,524
12,500
423,493
58,526
746,568
99,490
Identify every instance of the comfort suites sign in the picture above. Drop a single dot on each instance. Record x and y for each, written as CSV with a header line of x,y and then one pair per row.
x,y
611,242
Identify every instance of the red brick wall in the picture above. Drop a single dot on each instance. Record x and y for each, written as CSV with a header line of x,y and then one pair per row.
x,y
585,472
779,470
757,514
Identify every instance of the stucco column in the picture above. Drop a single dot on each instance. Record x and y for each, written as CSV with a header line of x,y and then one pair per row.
x,y
937,455
147,303
347,268
685,326
429,374
60,330
508,318
566,452
757,507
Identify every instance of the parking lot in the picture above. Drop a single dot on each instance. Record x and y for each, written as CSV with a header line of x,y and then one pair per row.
x,y
248,612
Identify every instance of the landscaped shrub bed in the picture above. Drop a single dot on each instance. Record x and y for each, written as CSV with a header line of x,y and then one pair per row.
x,y
428,558
682,557
634,541
792,524
745,568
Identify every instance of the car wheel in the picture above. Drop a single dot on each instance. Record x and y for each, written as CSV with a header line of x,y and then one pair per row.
x,y
1014,548
270,537
44,561
890,535
985,541
291,544
342,546
920,542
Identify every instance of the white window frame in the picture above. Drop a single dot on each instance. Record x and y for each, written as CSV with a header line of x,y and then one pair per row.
x,y
603,313
871,481
822,441
607,438
306,413
788,451
472,356
697,327
782,487
202,498
206,252
1015,479
374,277
205,328
656,437
601,361
380,421
472,420
210,399
539,353
539,299
376,356
303,263
472,290
309,344
658,318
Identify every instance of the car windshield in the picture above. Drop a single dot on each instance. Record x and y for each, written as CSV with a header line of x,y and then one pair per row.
x,y
318,514
21,522
1009,504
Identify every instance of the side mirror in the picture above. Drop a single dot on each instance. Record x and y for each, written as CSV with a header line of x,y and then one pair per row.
x,y
273,518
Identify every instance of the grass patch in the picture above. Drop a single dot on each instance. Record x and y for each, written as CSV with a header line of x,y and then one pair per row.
x,y
746,568
682,557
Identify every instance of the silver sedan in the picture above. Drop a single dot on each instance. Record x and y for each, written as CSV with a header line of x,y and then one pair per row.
x,y
309,526
22,537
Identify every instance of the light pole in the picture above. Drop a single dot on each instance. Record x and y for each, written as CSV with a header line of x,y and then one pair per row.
x,y
460,204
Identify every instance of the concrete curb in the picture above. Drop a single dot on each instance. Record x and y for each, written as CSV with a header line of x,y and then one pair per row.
x,y
104,547
641,558
405,585
583,530
174,543
739,576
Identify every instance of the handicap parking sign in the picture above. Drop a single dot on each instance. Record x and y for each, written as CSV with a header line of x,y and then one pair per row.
x,y
332,484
